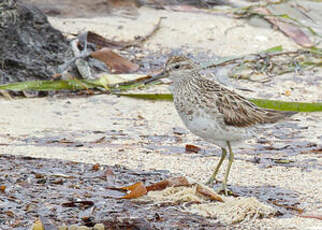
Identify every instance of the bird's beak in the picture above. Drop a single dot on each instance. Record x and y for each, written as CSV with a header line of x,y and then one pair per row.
x,y
156,77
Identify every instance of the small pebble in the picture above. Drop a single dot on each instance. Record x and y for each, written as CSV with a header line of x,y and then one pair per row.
x,y
73,227
64,227
82,228
98,227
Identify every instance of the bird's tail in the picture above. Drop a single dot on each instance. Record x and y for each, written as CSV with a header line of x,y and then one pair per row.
x,y
273,116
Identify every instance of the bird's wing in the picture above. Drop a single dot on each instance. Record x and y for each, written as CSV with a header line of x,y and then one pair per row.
x,y
237,110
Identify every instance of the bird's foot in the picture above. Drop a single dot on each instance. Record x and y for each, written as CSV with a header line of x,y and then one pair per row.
x,y
225,191
212,180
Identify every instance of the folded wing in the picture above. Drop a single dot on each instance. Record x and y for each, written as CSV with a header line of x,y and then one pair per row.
x,y
238,111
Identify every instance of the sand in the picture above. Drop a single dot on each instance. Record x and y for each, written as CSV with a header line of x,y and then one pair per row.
x,y
140,134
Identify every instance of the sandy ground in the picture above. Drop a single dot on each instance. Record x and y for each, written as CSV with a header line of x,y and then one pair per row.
x,y
139,134
196,32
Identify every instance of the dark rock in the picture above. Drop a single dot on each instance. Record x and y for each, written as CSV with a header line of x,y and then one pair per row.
x,y
31,49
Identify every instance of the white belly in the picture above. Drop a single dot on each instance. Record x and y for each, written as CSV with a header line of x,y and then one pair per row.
x,y
213,130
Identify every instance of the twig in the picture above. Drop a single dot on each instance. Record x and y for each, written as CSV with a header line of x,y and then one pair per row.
x,y
143,39
99,40
303,11
257,57
311,216
299,210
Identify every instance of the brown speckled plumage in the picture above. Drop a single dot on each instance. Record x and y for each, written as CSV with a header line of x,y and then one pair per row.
x,y
212,111
237,110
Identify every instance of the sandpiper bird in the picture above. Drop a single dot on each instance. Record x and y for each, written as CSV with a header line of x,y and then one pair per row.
x,y
213,112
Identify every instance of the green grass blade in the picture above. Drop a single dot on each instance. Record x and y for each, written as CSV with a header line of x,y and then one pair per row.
x,y
49,85
148,96
273,49
85,84
288,106
264,103
74,84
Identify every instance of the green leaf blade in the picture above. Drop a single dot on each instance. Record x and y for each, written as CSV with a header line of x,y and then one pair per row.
x,y
264,103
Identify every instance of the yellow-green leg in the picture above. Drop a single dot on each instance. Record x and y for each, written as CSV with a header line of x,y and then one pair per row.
x,y
213,176
230,162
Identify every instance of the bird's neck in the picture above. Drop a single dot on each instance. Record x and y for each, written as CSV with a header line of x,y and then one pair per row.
x,y
183,80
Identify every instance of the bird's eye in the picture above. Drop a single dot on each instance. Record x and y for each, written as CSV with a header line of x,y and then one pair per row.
x,y
177,66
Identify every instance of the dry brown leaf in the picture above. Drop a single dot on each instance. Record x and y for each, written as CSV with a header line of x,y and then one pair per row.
x,y
61,141
82,203
192,149
10,213
129,192
178,181
136,190
98,141
319,150
275,202
158,186
288,29
64,141
114,62
207,193
2,188
96,167
100,41
173,181
319,217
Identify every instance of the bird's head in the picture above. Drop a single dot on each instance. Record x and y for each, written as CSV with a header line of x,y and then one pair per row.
x,y
174,69
178,64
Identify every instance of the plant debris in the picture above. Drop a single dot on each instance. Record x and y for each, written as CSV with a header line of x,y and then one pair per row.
x,y
131,192
100,41
319,217
82,198
115,62
171,182
192,148
289,207
288,29
139,189
269,104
